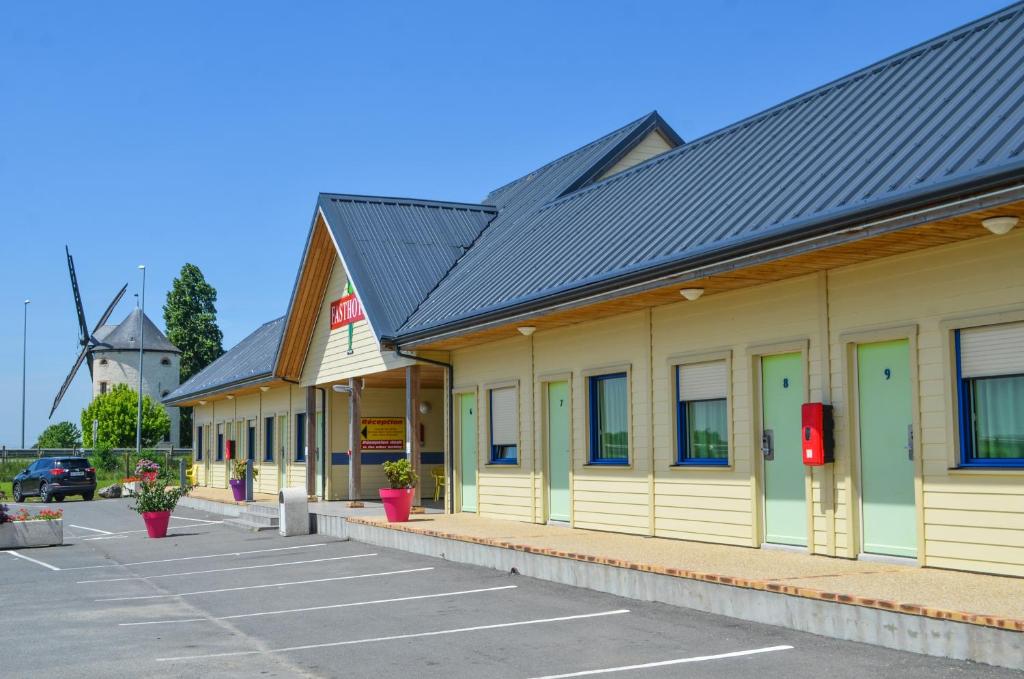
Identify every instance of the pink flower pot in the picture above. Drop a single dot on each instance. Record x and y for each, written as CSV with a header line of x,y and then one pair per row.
x,y
397,503
156,523
148,476
237,489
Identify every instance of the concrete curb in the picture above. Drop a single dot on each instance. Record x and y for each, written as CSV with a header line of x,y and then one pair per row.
x,y
211,506
900,631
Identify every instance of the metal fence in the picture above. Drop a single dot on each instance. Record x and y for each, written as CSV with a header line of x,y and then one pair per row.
x,y
35,453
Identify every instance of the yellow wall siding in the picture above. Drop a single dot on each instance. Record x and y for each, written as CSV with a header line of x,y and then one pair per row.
x,y
710,504
970,521
327,359
605,498
652,145
505,491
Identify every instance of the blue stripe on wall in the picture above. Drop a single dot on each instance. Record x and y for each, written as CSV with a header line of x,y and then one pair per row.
x,y
381,458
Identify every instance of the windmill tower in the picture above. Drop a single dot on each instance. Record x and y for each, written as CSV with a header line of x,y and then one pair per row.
x,y
112,354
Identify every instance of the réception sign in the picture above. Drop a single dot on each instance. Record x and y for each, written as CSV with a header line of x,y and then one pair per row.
x,y
346,311
382,433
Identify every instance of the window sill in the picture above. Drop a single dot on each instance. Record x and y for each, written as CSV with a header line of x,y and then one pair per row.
x,y
608,465
501,464
703,467
986,471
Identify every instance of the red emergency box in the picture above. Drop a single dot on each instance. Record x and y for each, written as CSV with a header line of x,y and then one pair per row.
x,y
229,449
816,439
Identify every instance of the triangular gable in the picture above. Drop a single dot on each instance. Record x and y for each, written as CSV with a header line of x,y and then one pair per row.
x,y
654,144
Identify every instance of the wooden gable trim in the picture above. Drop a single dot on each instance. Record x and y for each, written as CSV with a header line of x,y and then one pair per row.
x,y
314,273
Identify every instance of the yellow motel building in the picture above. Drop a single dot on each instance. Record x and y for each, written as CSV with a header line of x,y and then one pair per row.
x,y
625,339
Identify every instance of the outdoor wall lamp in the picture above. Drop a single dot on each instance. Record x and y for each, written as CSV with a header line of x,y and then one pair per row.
x,y
264,389
691,293
342,388
527,330
1000,226
202,403
424,407
230,397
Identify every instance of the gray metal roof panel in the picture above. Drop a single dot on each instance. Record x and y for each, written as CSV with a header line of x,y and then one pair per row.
x,y
397,249
250,359
937,116
124,336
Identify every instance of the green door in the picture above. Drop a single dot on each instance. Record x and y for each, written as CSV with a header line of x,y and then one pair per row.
x,y
886,449
785,504
558,451
467,451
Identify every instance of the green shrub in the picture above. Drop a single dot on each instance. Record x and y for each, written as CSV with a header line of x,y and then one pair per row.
x,y
400,474
103,457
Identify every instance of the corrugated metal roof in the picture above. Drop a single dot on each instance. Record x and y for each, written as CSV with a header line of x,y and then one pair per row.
x,y
397,249
932,119
573,170
124,336
249,360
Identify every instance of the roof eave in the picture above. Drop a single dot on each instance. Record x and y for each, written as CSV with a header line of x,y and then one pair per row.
x,y
933,196
194,396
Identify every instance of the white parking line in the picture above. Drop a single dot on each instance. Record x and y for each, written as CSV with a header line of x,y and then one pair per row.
x,y
321,608
95,530
276,584
221,570
28,558
124,533
190,558
666,663
191,518
436,633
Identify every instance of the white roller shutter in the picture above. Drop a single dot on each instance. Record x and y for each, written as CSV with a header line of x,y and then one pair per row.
x,y
703,381
992,350
504,430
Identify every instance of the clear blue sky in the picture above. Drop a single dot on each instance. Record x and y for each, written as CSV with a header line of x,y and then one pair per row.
x,y
165,133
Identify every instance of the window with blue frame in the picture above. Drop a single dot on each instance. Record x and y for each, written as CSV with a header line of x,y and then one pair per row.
x,y
300,437
504,426
199,443
268,439
702,413
609,419
990,394
250,442
220,443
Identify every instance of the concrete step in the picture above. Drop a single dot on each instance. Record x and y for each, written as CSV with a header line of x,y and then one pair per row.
x,y
262,510
246,523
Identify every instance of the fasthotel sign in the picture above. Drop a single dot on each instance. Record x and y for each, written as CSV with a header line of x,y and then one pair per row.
x,y
346,311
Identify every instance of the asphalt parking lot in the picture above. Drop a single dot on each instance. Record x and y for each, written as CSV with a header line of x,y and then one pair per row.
x,y
208,601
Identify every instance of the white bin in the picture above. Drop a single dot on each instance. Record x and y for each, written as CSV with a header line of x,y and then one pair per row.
x,y
294,519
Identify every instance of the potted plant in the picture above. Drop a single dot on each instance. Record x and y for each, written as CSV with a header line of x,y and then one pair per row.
x,y
398,498
237,480
22,529
155,500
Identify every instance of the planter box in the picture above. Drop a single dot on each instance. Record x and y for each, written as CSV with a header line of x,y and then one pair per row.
x,y
128,488
19,534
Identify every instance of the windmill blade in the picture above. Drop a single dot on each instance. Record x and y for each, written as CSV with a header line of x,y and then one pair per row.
x,y
71,376
106,314
82,325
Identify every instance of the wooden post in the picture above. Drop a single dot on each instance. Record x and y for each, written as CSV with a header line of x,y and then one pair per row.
x,y
311,443
412,424
355,462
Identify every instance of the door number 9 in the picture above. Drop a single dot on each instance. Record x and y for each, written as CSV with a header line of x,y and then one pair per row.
x,y
888,373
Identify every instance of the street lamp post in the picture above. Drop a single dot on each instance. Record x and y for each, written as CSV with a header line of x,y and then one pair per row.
x,y
142,340
24,354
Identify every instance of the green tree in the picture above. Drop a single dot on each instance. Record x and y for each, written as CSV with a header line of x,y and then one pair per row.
x,y
190,316
115,413
60,435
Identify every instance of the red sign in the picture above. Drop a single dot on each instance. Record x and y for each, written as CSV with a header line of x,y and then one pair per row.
x,y
345,311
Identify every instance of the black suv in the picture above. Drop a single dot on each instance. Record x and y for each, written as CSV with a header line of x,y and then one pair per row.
x,y
53,478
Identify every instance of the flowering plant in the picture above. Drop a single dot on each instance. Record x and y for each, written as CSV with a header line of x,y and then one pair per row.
x,y
23,515
146,467
130,479
157,496
238,470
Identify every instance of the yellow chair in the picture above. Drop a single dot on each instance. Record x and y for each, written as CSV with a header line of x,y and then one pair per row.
x,y
437,473
192,473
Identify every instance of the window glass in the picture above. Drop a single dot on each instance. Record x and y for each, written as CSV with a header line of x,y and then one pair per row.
x,y
300,437
703,413
250,442
990,366
609,419
268,439
199,443
504,426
